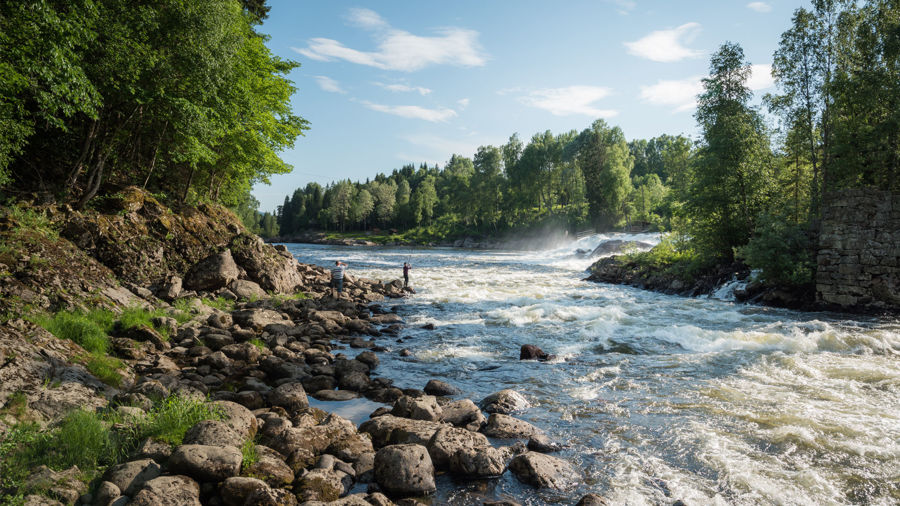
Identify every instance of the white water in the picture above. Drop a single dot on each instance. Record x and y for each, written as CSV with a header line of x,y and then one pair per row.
x,y
658,398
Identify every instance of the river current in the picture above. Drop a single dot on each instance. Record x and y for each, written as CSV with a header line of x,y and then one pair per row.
x,y
656,398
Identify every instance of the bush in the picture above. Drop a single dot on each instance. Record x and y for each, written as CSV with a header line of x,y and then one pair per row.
x,y
83,439
169,420
782,252
674,256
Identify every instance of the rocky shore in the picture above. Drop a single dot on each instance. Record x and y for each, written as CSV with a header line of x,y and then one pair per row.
x,y
280,339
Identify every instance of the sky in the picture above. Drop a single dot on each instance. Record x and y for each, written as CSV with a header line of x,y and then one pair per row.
x,y
385,84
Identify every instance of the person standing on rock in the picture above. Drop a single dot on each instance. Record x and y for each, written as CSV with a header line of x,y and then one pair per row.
x,y
337,277
406,268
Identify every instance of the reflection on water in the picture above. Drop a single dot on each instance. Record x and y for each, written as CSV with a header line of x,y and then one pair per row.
x,y
657,398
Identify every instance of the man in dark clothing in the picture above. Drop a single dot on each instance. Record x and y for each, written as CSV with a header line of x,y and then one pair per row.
x,y
406,268
337,277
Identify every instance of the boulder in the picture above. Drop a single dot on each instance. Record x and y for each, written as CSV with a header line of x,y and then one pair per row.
x,y
319,485
389,429
290,396
273,270
130,477
271,497
238,417
106,493
448,440
505,401
440,388
257,318
235,490
168,491
247,290
270,467
507,427
463,413
417,408
541,471
213,272
170,288
592,500
212,433
206,463
404,470
65,485
478,462
532,352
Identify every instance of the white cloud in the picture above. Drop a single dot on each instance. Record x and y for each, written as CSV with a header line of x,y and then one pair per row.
x,y
463,103
366,18
624,6
403,88
759,6
667,45
760,77
399,49
329,84
414,111
570,100
681,94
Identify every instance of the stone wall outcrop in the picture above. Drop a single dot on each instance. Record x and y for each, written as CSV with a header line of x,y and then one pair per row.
x,y
859,250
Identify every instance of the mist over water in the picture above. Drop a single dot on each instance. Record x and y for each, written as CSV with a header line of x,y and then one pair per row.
x,y
656,398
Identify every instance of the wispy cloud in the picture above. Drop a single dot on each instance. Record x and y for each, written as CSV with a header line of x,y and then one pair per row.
x,y
760,77
623,6
329,84
463,103
667,45
680,94
399,49
570,100
403,88
759,6
413,111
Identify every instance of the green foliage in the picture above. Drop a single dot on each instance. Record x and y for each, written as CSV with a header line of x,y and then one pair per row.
x,y
258,343
137,316
16,405
89,330
83,440
170,419
674,255
104,367
219,303
248,451
781,250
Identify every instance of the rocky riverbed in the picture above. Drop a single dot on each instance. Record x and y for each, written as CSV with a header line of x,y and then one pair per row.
x,y
283,339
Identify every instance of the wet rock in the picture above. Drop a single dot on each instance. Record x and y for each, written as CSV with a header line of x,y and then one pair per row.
x,y
541,443
593,500
404,470
532,352
213,272
369,358
440,388
206,463
355,381
478,462
505,402
319,382
448,440
290,396
213,433
168,491
235,491
130,477
335,395
507,427
463,413
418,408
541,471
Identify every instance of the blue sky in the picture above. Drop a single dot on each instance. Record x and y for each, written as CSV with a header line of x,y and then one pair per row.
x,y
389,83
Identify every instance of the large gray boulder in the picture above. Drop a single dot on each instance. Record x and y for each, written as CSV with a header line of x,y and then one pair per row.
x,y
130,477
417,408
507,427
389,429
235,490
478,462
505,401
245,289
212,433
206,463
448,440
404,470
319,485
290,396
213,272
542,471
238,417
168,491
463,413
273,269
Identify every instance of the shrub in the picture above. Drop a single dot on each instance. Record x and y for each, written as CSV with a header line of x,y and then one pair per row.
x,y
781,251
83,439
169,420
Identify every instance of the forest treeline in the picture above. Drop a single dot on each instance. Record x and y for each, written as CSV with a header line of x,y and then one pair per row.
x,y
182,98
750,186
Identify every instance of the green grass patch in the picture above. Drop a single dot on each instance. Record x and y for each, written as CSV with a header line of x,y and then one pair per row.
x,y
258,343
104,367
16,405
27,218
171,418
220,303
279,299
672,256
88,329
251,456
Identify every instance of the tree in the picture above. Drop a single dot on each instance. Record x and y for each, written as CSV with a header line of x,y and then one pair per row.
x,y
424,199
606,163
486,184
362,207
732,173
385,195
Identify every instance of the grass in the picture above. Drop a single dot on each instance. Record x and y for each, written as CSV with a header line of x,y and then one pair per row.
x,y
258,343
671,257
220,303
88,329
251,456
279,299
16,405
26,218
89,440
104,367
137,316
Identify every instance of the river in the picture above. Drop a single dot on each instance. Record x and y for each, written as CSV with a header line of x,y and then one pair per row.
x,y
657,398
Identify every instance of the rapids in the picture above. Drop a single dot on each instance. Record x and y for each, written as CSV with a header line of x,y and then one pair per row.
x,y
656,398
